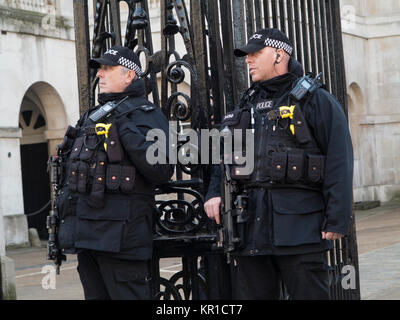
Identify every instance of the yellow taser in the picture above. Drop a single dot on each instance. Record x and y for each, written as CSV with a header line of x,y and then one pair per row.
x,y
287,112
102,129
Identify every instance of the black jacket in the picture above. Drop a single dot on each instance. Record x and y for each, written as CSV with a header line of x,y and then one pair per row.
x,y
122,227
290,220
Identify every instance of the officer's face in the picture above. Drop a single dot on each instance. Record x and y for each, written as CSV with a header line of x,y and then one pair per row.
x,y
112,79
261,64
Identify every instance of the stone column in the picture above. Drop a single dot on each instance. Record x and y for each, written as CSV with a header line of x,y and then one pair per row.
x,y
9,224
54,138
15,226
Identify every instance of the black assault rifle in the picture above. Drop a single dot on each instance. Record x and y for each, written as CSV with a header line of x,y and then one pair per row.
x,y
52,223
233,209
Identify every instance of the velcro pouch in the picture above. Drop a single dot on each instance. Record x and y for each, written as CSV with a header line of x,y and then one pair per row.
x,y
239,171
73,176
71,132
101,163
102,229
88,148
83,170
278,163
114,146
113,177
238,119
76,148
295,167
127,179
65,145
96,199
315,168
303,134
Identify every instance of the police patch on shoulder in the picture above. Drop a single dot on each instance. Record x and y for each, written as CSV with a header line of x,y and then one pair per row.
x,y
147,108
229,115
265,105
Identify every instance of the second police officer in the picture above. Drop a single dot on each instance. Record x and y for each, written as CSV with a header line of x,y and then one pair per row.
x,y
300,192
107,197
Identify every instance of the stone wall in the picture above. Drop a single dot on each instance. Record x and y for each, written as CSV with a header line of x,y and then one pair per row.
x,y
371,30
37,54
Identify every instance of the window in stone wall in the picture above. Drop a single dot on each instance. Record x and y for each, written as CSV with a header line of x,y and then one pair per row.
x,y
32,123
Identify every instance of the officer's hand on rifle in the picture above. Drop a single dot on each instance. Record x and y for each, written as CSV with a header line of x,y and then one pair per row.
x,y
211,207
331,235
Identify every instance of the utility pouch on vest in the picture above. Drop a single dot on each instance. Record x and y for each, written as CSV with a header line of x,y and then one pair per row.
x,y
76,148
83,170
113,177
114,146
238,171
68,140
73,176
278,163
71,132
236,119
88,148
295,167
302,133
128,179
315,168
96,199
65,145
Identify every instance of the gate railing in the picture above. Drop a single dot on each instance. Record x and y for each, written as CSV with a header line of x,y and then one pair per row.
x,y
210,30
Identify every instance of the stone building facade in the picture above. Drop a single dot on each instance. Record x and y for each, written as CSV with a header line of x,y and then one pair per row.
x,y
37,96
371,39
38,99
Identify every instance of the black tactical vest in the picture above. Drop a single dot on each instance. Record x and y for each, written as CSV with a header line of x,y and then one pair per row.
x,y
280,159
96,162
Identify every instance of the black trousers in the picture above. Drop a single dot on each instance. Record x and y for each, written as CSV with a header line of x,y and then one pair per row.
x,y
105,278
305,276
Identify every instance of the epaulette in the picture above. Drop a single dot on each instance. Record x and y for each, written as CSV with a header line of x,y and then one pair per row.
x,y
147,108
249,95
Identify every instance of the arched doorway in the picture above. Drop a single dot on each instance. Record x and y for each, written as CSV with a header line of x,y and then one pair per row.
x,y
40,104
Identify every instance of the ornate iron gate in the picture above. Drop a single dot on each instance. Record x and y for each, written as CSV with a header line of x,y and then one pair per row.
x,y
210,30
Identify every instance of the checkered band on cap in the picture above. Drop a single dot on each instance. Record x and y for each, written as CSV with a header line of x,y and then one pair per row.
x,y
279,45
130,65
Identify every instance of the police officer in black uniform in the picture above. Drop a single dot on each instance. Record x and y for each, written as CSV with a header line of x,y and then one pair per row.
x,y
107,197
300,191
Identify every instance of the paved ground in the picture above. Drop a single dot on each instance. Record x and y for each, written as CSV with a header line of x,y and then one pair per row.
x,y
33,275
378,238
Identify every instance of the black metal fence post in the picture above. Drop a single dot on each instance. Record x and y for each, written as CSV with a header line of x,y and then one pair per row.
x,y
81,21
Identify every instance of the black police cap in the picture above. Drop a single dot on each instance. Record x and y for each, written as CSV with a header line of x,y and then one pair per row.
x,y
265,38
118,55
